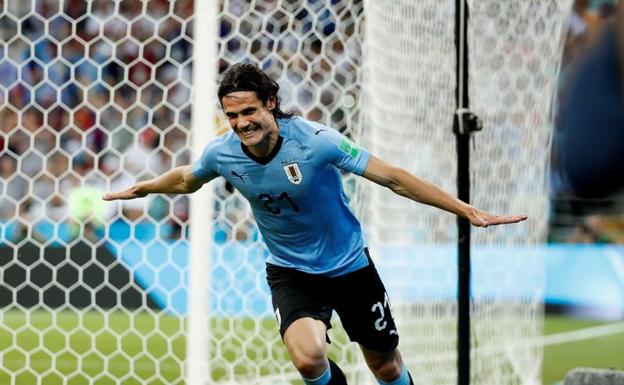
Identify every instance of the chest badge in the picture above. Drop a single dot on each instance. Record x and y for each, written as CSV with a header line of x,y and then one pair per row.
x,y
293,172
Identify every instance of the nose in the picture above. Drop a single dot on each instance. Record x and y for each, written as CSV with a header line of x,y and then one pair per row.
x,y
242,123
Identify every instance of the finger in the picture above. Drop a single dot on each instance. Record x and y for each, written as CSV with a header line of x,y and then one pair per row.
x,y
112,196
518,218
507,220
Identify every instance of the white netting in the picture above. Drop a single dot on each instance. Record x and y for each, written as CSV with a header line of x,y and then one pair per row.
x,y
409,81
95,95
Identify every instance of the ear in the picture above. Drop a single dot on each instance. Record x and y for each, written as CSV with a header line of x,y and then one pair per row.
x,y
271,103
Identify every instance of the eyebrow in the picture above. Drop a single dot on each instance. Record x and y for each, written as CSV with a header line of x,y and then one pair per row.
x,y
243,111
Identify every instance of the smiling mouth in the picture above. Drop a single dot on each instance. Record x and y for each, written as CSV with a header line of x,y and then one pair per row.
x,y
247,131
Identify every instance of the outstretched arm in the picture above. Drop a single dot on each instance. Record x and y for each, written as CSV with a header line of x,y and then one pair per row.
x,y
403,183
179,180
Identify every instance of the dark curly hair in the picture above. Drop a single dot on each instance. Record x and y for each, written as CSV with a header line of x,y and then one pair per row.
x,y
249,77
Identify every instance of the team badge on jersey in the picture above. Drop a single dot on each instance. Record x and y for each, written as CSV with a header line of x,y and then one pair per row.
x,y
293,173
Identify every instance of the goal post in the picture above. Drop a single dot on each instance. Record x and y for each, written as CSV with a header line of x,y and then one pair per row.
x,y
201,205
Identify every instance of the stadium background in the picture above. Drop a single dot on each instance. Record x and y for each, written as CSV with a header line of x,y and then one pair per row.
x,y
53,136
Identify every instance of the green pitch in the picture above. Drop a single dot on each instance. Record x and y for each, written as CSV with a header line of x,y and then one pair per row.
x,y
601,352
90,346
102,349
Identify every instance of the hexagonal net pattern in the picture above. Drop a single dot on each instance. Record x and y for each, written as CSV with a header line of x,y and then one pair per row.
x,y
409,86
96,94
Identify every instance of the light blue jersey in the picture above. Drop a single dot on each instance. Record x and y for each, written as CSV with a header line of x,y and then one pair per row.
x,y
296,194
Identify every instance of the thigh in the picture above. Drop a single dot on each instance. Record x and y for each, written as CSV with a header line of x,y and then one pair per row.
x,y
364,309
305,339
297,295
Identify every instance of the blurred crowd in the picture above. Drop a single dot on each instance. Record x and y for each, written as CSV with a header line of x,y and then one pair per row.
x,y
97,96
576,219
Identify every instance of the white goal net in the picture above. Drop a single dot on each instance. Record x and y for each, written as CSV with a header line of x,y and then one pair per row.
x,y
97,94
409,83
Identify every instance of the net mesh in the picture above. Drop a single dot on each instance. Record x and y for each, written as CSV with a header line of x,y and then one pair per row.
x,y
95,95
409,84
516,49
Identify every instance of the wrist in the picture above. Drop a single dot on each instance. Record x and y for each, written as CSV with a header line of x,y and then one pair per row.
x,y
466,210
143,188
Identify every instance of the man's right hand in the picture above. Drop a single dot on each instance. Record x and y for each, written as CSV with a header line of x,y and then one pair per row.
x,y
131,193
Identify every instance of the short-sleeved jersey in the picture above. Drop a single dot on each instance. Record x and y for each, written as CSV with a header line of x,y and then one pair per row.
x,y
296,194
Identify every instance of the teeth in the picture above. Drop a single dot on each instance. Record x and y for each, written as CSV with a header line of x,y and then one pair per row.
x,y
248,130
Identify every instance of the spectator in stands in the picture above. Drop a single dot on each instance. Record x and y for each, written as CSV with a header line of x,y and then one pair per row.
x,y
13,185
589,124
86,104
592,230
591,116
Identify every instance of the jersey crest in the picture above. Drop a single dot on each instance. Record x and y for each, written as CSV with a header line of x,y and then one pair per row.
x,y
293,172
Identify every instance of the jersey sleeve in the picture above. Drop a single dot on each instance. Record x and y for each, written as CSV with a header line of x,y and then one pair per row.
x,y
206,168
341,151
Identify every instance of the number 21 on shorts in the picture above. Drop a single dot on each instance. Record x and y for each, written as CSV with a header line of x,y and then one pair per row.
x,y
381,323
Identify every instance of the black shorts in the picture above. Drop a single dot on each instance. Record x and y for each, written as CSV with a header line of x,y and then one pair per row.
x,y
359,298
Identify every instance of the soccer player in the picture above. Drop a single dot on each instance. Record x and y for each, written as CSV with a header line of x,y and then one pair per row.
x,y
289,170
